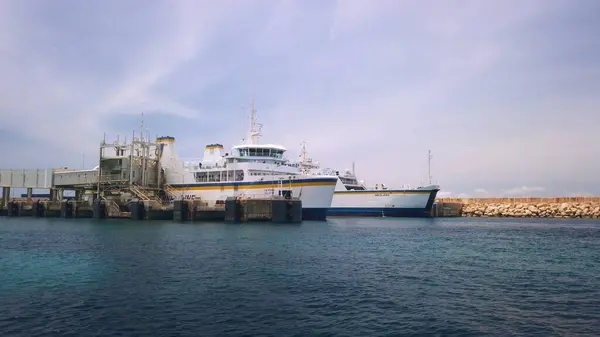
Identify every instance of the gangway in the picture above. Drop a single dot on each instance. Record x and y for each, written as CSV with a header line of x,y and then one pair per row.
x,y
27,178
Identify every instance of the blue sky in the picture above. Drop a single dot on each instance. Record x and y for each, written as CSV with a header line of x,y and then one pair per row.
x,y
505,93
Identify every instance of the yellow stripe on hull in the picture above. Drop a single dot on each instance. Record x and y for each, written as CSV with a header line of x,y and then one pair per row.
x,y
248,187
381,192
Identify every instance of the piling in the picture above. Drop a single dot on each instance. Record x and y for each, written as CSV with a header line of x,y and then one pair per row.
x,y
13,208
181,210
66,209
138,210
233,210
39,209
286,210
99,209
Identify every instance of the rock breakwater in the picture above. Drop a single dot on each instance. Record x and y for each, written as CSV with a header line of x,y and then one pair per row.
x,y
530,210
582,207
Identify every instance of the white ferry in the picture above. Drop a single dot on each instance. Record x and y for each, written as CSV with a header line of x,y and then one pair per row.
x,y
353,198
250,170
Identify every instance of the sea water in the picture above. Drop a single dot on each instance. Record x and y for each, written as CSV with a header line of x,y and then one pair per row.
x,y
342,277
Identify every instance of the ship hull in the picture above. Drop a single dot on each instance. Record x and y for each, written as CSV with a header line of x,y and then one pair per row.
x,y
316,194
390,203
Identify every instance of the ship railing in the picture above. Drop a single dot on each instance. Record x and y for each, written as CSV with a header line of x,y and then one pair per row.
x,y
275,194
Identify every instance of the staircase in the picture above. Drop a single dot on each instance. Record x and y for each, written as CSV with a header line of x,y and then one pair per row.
x,y
171,192
112,207
143,194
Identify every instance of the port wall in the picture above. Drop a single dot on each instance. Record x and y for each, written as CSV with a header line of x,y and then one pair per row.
x,y
519,200
549,207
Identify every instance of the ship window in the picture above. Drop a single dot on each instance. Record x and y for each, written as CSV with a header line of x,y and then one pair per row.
x,y
214,176
276,153
239,175
201,176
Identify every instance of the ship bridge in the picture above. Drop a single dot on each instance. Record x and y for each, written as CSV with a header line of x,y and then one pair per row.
x,y
258,151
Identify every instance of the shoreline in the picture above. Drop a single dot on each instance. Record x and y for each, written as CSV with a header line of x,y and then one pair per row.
x,y
552,207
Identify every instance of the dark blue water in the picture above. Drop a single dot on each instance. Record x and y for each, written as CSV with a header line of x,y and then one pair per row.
x,y
344,277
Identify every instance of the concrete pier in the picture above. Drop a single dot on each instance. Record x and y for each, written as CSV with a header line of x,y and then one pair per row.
x,y
128,182
446,209
271,209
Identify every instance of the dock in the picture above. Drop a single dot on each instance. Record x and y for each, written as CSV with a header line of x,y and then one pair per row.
x,y
446,209
129,183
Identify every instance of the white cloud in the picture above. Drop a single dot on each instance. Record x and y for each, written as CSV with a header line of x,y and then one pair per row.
x,y
524,190
449,194
582,194
480,191
67,109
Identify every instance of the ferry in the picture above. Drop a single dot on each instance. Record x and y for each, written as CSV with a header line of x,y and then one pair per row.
x,y
249,170
353,198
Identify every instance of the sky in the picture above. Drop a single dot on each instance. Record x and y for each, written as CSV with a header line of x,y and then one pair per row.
x,y
506,94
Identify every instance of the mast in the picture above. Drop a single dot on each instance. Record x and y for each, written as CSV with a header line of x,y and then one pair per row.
x,y
353,170
142,129
255,128
306,163
429,166
303,152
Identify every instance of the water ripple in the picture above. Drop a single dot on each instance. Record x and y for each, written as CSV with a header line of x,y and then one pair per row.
x,y
346,277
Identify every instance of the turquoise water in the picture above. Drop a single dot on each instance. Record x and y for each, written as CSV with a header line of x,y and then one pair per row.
x,y
344,277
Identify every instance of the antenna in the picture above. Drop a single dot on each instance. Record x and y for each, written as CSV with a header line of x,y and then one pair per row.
x,y
255,128
303,151
306,163
353,169
429,166
142,129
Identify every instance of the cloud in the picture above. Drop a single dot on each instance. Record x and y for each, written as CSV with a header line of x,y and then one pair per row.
x,y
503,93
480,191
449,194
524,190
48,94
580,194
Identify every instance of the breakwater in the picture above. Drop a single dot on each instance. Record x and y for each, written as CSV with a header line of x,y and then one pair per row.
x,y
572,207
